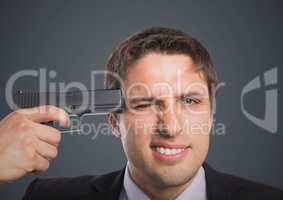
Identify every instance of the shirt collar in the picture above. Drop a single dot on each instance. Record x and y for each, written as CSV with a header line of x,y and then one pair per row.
x,y
196,190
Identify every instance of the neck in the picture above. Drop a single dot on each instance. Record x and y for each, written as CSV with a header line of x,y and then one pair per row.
x,y
155,191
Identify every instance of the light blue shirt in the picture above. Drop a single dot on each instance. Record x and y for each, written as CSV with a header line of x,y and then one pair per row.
x,y
195,191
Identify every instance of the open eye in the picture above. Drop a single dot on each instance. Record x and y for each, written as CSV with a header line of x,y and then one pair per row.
x,y
190,100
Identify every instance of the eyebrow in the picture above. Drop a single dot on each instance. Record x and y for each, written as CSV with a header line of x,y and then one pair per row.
x,y
191,93
135,100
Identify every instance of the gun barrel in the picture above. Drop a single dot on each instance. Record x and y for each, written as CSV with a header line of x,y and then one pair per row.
x,y
74,102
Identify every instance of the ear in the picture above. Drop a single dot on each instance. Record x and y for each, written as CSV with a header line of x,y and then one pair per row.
x,y
114,124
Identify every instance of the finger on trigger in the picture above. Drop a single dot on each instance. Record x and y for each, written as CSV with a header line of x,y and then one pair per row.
x,y
47,134
46,114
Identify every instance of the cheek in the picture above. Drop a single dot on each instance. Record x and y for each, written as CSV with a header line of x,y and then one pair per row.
x,y
137,132
197,123
140,125
200,146
199,128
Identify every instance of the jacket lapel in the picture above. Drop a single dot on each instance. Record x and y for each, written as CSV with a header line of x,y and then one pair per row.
x,y
109,186
217,186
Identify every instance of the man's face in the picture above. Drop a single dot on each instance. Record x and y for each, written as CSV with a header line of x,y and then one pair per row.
x,y
164,129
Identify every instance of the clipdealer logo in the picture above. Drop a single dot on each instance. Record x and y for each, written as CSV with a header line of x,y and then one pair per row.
x,y
268,86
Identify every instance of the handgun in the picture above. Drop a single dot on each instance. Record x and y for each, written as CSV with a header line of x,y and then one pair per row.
x,y
76,103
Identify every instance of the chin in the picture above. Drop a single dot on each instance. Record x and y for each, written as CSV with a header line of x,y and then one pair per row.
x,y
173,180
173,176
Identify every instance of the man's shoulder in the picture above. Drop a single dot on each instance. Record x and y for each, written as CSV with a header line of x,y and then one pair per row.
x,y
59,188
80,187
239,188
248,188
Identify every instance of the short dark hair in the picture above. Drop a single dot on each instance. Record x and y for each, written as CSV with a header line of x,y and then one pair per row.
x,y
159,40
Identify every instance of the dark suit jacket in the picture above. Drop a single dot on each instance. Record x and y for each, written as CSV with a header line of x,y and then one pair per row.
x,y
220,186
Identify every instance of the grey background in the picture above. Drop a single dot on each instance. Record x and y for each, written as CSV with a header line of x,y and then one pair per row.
x,y
75,37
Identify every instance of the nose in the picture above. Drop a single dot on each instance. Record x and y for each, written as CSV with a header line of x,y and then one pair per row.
x,y
169,122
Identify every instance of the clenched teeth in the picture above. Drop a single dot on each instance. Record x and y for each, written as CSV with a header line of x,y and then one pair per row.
x,y
168,151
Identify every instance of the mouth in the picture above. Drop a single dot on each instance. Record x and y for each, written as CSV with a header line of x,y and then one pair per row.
x,y
170,153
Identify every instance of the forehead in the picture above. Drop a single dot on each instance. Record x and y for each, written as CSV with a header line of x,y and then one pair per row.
x,y
161,75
